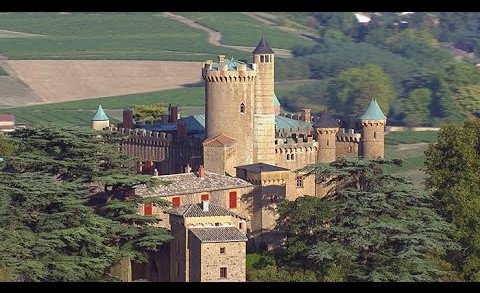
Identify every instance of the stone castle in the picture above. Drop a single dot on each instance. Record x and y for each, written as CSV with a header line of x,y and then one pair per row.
x,y
244,154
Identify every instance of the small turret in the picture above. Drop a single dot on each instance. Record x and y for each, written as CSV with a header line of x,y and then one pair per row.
x,y
326,129
100,120
373,122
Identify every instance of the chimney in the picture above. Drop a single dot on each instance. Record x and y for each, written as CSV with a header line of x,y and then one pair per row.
x,y
128,118
205,205
221,58
188,169
181,130
173,114
201,171
306,115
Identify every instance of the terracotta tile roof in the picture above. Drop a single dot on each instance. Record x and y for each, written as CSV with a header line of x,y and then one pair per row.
x,y
218,234
186,183
195,210
219,141
7,117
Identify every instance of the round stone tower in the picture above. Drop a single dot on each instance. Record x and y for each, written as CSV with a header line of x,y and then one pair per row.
x,y
264,116
229,103
372,141
326,129
100,120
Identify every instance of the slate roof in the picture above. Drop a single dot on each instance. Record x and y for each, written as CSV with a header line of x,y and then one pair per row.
x,y
284,123
326,121
218,234
373,112
263,47
276,102
195,210
220,140
100,115
186,183
232,65
259,167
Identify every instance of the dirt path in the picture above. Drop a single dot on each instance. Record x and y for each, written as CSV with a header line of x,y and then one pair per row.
x,y
214,37
14,34
303,35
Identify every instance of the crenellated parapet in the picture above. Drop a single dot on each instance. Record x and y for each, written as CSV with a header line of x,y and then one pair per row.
x,y
295,144
221,73
147,137
348,135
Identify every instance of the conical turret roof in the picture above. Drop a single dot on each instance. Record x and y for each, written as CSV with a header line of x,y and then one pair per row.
x,y
373,112
326,121
100,115
263,47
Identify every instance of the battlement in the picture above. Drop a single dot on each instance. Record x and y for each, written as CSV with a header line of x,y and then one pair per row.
x,y
142,133
222,72
300,140
348,135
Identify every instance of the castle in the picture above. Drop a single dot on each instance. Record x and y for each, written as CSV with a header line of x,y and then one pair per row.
x,y
245,138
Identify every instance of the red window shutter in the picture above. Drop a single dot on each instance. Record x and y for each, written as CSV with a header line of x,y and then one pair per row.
x,y
204,196
176,202
233,199
147,209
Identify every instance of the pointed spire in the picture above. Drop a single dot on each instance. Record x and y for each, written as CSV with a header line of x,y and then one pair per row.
x,y
263,47
100,115
373,112
326,121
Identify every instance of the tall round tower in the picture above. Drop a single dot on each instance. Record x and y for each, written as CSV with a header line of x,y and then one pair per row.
x,y
373,122
100,120
264,115
229,106
326,129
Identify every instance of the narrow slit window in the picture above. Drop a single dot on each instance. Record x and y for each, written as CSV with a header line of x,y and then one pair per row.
x,y
242,108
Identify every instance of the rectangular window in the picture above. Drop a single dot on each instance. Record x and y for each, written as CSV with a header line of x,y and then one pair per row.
x,y
240,226
222,250
147,209
223,272
299,182
176,201
233,199
204,197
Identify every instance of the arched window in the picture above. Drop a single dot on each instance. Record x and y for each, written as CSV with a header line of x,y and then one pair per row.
x,y
242,108
288,157
262,58
267,58
292,157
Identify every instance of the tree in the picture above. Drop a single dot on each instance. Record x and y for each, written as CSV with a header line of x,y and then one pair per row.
x,y
452,166
353,89
377,227
417,107
98,179
7,148
154,111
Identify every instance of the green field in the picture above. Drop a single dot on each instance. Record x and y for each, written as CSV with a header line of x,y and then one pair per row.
x,y
133,35
2,71
242,30
141,36
80,112
406,137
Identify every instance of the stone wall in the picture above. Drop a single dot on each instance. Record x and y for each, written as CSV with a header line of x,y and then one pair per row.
x,y
234,260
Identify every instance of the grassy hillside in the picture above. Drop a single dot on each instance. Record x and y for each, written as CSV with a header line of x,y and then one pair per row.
x,y
81,112
242,30
104,36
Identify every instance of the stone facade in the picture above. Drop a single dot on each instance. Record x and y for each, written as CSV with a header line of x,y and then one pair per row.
x,y
209,244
